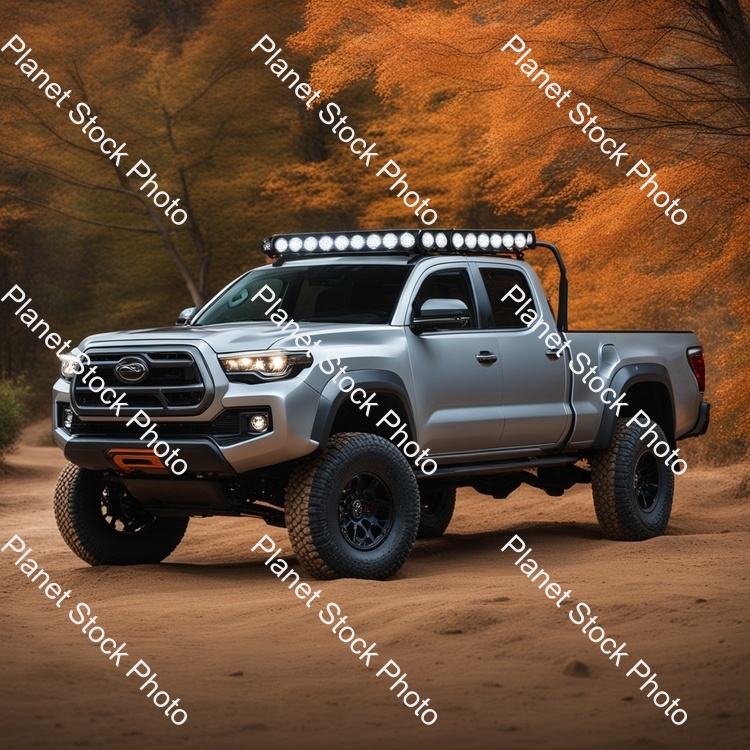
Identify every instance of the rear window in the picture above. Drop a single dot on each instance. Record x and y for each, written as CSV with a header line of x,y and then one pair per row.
x,y
498,282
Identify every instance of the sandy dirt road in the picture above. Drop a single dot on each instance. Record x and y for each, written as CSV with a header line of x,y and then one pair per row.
x,y
500,663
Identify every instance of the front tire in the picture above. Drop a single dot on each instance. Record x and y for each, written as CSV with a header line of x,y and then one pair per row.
x,y
104,525
353,510
632,486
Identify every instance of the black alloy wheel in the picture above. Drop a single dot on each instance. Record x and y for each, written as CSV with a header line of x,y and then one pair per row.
x,y
646,482
437,504
122,512
366,509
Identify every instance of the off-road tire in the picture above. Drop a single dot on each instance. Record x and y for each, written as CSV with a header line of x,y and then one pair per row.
x,y
318,491
78,512
437,504
616,473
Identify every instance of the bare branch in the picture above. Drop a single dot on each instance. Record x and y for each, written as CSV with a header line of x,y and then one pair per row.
x,y
118,227
64,176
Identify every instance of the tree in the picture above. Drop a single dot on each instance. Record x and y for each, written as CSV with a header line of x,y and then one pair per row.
x,y
670,79
176,81
167,79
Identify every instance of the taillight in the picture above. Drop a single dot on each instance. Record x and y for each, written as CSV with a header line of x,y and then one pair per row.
x,y
698,366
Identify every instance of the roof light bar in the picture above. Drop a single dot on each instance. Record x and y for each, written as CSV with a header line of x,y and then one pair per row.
x,y
482,241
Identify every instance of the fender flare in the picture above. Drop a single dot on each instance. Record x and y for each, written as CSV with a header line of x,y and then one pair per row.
x,y
332,398
625,378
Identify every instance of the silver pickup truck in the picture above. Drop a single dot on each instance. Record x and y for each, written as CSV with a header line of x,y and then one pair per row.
x,y
345,391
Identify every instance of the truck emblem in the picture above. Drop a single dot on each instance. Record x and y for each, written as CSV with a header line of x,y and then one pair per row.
x,y
131,370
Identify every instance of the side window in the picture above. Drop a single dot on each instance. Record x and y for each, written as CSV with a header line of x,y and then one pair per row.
x,y
449,284
498,282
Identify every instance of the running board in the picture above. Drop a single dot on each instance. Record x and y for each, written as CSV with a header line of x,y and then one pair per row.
x,y
468,470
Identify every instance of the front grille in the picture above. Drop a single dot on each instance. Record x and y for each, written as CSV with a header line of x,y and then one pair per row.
x,y
174,383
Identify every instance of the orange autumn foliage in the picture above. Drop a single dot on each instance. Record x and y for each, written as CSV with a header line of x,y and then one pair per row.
x,y
667,78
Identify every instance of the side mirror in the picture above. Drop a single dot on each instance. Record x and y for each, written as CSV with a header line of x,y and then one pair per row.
x,y
184,317
441,314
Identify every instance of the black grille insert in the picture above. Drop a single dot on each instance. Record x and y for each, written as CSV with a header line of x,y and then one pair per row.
x,y
174,383
231,426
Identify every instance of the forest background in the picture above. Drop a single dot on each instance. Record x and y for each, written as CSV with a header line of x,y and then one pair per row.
x,y
428,81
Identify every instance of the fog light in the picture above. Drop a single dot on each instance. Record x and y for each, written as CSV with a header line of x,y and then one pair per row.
x,y
259,422
67,419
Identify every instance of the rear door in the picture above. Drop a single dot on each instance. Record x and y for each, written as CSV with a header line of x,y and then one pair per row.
x,y
457,377
535,382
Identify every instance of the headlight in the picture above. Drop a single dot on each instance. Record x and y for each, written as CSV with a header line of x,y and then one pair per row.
x,y
271,365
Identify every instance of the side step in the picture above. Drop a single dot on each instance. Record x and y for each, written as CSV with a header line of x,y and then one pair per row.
x,y
480,469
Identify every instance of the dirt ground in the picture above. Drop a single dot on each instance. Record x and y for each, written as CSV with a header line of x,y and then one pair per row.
x,y
501,664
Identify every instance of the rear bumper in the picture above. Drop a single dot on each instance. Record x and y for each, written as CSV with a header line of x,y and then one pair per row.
x,y
701,426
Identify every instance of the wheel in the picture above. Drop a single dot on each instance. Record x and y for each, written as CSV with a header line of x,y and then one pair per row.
x,y
104,525
632,486
353,510
437,510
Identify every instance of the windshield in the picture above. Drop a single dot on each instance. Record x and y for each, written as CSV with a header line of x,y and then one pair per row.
x,y
365,293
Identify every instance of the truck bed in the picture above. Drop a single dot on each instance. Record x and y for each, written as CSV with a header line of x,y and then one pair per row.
x,y
610,351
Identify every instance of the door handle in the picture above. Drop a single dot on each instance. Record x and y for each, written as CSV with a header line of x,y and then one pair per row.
x,y
552,353
485,356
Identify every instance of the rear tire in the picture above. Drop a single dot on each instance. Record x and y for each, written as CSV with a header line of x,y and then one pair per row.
x,y
104,525
352,511
632,486
438,504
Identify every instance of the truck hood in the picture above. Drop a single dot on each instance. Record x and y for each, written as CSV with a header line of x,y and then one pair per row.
x,y
227,338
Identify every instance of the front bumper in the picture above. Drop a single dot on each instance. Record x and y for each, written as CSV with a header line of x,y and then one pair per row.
x,y
292,405
101,454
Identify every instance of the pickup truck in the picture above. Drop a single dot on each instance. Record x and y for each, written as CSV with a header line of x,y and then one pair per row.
x,y
347,388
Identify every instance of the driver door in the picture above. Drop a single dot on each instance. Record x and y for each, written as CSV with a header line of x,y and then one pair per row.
x,y
457,377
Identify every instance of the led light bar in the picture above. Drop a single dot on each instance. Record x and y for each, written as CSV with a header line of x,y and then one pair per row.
x,y
384,241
